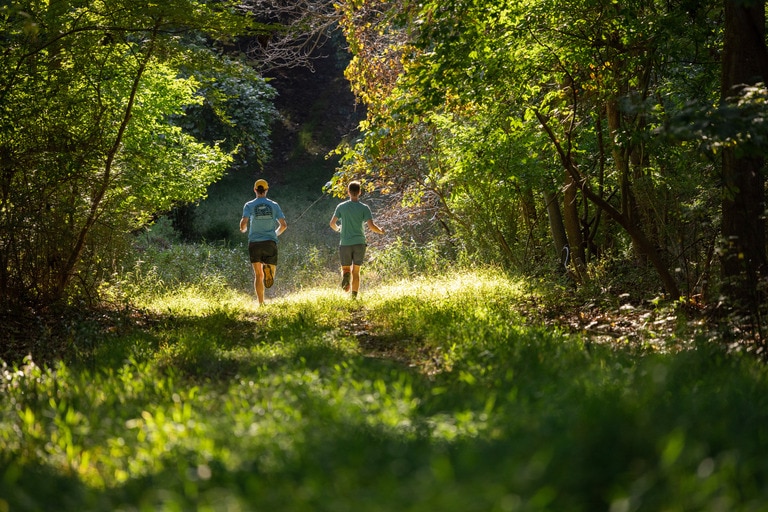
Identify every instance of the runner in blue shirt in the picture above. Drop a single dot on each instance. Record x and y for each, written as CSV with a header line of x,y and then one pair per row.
x,y
267,223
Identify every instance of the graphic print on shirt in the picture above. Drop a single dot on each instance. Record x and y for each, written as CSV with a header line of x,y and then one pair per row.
x,y
262,212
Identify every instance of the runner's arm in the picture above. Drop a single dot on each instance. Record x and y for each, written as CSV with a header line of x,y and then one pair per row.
x,y
374,227
334,225
282,227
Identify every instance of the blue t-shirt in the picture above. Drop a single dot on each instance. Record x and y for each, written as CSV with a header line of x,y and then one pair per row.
x,y
263,214
353,216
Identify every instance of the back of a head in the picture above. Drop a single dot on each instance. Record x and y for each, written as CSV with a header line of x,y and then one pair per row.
x,y
261,186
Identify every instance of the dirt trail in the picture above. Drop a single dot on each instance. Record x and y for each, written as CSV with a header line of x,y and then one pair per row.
x,y
409,352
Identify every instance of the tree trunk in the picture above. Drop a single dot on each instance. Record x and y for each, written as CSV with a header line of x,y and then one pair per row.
x,y
745,61
528,202
67,272
573,227
557,228
621,160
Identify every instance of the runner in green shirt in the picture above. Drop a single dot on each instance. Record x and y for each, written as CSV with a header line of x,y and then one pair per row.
x,y
353,215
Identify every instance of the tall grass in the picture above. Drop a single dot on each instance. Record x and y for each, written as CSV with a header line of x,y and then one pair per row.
x,y
427,394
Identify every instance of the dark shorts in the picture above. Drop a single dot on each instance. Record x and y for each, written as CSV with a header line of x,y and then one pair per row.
x,y
263,252
349,254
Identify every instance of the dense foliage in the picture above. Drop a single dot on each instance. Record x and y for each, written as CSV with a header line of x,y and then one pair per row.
x,y
93,97
538,135
546,136
568,132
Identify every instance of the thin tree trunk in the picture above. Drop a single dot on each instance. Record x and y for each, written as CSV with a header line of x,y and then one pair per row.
x,y
557,228
529,207
68,270
620,157
573,227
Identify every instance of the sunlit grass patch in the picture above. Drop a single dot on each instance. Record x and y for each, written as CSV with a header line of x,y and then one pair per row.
x,y
454,310
481,285
216,333
196,300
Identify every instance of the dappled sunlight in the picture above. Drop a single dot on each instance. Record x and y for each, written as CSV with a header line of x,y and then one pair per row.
x,y
481,284
518,343
316,295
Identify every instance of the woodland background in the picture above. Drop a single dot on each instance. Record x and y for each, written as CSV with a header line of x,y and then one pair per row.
x,y
588,137
566,314
594,139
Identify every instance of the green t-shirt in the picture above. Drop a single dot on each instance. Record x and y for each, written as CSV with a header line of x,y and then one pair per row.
x,y
353,216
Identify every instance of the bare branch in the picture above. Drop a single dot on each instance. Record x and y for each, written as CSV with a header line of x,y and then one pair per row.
x,y
294,31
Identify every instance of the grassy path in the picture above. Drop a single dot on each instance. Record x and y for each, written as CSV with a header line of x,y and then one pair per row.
x,y
429,395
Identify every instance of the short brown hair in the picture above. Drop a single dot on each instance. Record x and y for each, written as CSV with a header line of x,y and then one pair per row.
x,y
354,187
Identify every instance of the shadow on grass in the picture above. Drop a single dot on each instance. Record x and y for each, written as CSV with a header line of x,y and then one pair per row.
x,y
683,433
223,343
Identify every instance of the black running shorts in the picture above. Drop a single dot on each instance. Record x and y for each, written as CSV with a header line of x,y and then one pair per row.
x,y
263,252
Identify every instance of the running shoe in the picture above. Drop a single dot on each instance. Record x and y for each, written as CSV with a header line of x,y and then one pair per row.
x,y
269,277
345,281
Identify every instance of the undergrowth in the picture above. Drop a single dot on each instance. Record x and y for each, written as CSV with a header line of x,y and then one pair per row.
x,y
426,394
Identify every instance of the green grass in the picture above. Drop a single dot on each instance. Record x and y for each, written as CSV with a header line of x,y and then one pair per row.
x,y
427,394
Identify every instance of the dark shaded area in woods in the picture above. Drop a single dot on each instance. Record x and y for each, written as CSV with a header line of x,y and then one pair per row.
x,y
317,102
